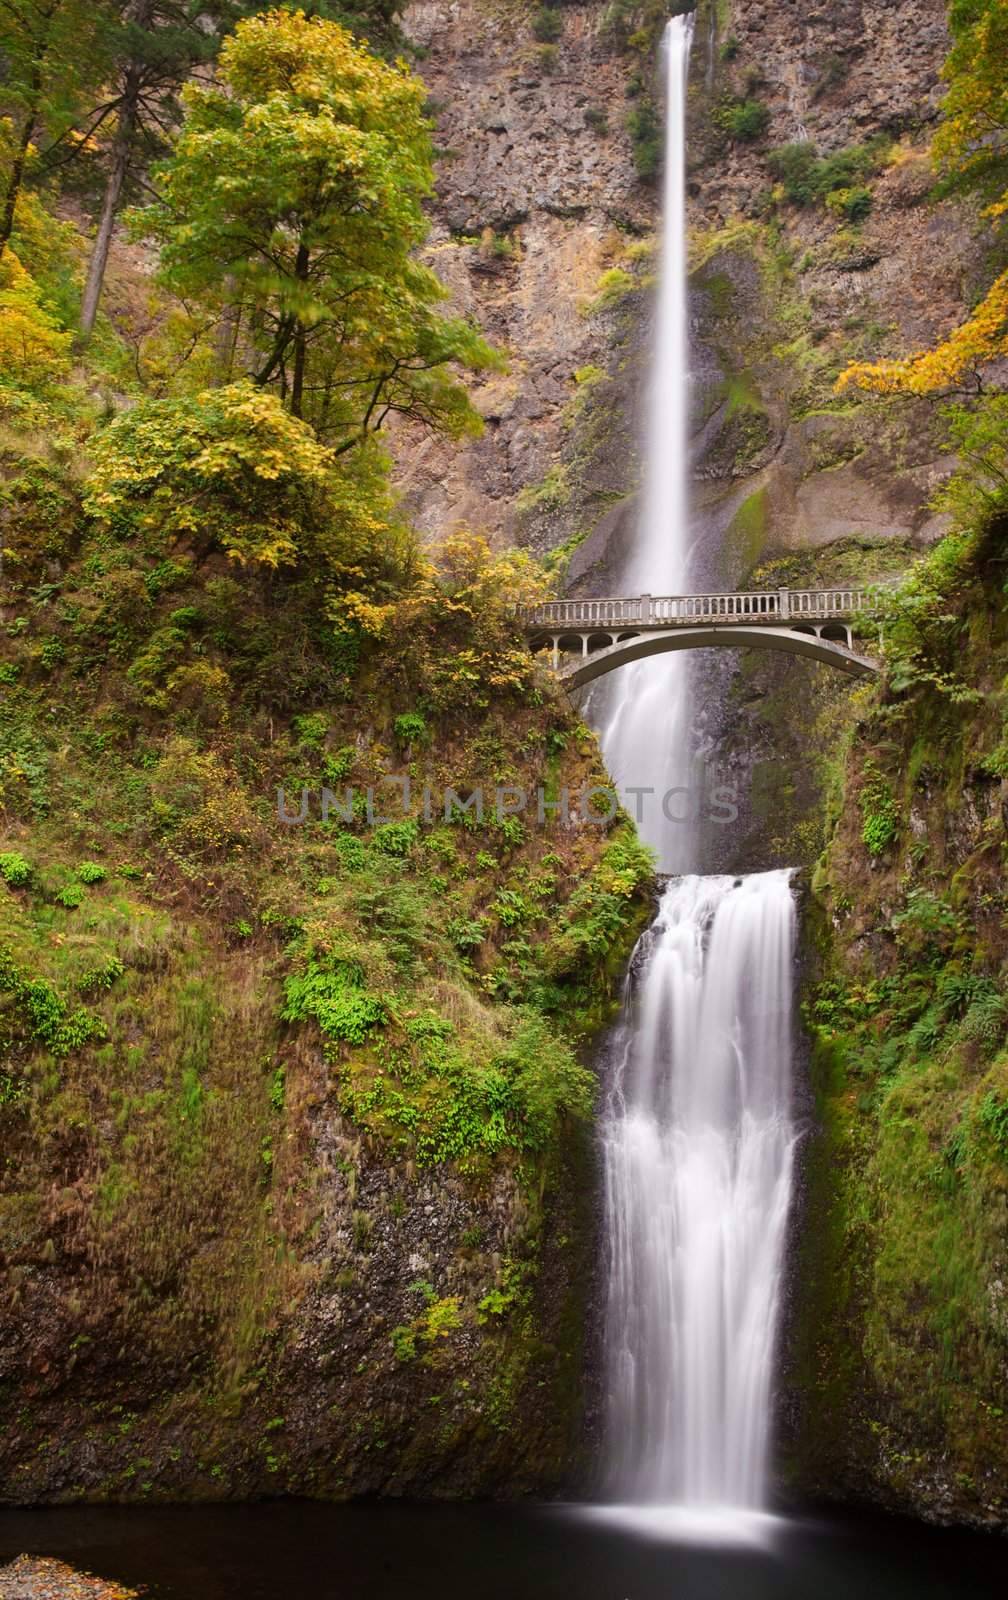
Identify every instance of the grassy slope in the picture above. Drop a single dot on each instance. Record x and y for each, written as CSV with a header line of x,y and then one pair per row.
x,y
242,1252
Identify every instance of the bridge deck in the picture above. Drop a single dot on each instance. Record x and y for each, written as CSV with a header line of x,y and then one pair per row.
x,y
758,607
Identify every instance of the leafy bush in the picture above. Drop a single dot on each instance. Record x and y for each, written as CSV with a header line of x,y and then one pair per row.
x,y
927,923
645,130
403,1340
986,1021
91,872
466,934
547,25
229,469
14,869
101,978
41,1015
880,817
411,728
396,838
310,730
351,851
553,492
745,120
851,204
332,993
993,1118
34,350
807,177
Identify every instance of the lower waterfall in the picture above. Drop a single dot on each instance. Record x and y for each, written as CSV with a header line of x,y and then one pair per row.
x,y
698,1142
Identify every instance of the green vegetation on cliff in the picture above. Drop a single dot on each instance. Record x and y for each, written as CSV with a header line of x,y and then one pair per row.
x,y
905,1332
293,1106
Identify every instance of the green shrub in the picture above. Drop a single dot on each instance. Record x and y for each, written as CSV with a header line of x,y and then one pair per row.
x,y
101,978
510,907
338,764
91,872
547,25
396,838
467,935
351,851
986,1020
333,993
927,923
596,119
443,1318
411,728
807,177
42,1015
851,204
403,1340
645,130
550,495
880,817
14,869
311,730
745,120
993,1118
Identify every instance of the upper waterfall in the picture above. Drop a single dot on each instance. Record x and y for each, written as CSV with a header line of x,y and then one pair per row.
x,y
645,720
661,556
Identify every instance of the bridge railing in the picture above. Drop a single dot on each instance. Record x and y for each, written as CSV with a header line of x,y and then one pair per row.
x,y
657,611
828,602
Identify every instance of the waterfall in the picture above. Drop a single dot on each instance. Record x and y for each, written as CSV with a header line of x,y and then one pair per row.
x,y
698,1140
697,1134
645,715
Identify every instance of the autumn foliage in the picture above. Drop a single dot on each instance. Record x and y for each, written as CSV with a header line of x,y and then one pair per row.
x,y
971,152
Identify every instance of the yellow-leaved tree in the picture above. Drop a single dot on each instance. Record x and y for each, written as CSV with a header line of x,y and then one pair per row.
x,y
292,208
971,151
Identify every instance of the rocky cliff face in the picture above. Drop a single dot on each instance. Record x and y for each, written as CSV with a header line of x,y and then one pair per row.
x,y
545,233
536,198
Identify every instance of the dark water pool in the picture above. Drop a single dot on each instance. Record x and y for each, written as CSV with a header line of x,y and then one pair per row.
x,y
307,1551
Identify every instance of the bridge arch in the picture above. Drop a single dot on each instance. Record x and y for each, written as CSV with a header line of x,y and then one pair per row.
x,y
797,641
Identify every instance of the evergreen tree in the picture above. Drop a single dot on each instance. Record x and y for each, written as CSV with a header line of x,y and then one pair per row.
x,y
54,54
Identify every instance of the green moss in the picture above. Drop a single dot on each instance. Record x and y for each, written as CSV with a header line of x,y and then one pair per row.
x,y
747,531
551,494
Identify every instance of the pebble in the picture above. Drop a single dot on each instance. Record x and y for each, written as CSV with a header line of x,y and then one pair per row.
x,y
42,1578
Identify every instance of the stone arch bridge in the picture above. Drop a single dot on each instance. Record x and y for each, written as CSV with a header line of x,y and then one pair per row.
x,y
588,638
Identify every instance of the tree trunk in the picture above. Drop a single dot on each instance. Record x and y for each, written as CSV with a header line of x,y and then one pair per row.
x,y
121,152
297,382
226,340
14,182
21,153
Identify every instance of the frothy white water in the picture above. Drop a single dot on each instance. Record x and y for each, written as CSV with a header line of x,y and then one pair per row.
x,y
698,1143
644,713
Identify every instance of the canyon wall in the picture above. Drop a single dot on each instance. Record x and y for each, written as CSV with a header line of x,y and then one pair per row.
x,y
546,233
